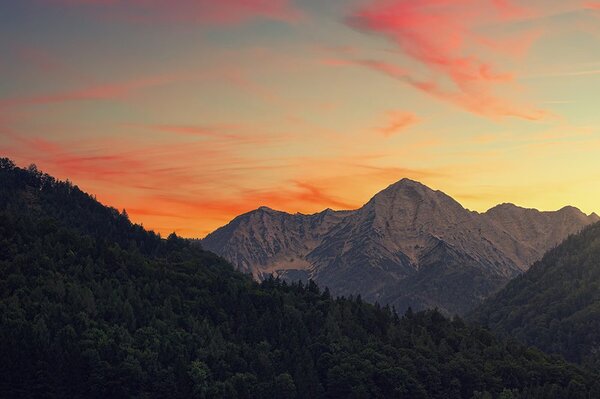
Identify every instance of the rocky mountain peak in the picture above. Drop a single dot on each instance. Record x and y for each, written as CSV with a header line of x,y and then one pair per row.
x,y
407,191
505,206
408,188
266,209
408,205
576,212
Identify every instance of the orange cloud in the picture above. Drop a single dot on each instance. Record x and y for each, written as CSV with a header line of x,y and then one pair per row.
x,y
221,12
207,181
193,186
311,193
301,196
397,122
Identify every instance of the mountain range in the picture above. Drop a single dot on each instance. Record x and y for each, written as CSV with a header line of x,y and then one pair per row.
x,y
409,246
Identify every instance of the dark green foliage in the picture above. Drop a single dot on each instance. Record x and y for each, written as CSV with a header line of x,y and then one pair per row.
x,y
556,304
93,306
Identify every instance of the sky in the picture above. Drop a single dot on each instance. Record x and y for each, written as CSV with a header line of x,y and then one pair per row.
x,y
187,113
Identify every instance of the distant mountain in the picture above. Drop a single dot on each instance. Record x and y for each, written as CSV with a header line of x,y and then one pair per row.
x,y
408,246
555,305
93,306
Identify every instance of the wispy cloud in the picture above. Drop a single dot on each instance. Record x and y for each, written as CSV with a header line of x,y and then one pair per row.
x,y
475,99
227,133
210,180
587,72
397,121
199,131
204,12
109,91
450,52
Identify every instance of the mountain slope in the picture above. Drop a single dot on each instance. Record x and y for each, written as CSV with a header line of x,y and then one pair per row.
x,y
284,239
408,246
556,304
83,315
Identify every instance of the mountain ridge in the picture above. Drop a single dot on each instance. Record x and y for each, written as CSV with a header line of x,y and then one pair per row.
x,y
373,249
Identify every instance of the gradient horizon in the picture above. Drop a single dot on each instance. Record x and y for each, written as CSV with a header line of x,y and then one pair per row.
x,y
187,113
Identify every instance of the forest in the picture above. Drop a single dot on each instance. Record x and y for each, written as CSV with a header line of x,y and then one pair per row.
x,y
92,305
556,304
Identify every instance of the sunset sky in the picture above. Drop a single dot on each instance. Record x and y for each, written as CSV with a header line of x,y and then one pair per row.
x,y
188,113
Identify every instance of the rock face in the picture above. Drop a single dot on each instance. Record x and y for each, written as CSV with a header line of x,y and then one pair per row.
x,y
408,246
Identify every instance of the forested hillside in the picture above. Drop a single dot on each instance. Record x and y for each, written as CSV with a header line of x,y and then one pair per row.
x,y
94,306
556,304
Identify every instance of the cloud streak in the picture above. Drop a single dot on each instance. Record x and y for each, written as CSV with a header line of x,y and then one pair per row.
x,y
398,121
202,12
449,52
209,181
110,91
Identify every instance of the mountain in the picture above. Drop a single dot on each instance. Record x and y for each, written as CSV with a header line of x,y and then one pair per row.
x,y
93,306
555,305
409,246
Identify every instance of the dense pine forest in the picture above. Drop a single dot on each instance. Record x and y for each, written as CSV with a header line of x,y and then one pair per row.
x,y
556,304
92,305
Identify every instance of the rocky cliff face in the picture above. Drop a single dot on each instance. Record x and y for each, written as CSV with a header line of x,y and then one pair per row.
x,y
408,246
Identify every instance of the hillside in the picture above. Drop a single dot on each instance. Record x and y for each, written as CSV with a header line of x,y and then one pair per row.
x,y
94,306
409,246
556,304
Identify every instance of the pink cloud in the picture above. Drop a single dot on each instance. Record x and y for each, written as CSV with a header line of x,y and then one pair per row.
x,y
213,12
443,36
592,5
509,10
